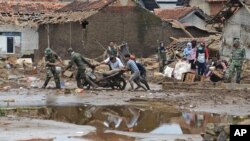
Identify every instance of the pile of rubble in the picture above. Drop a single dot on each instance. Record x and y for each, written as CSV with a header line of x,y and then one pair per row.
x,y
246,70
178,69
13,71
216,132
175,49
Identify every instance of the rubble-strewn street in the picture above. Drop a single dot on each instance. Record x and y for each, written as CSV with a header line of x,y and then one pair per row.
x,y
124,70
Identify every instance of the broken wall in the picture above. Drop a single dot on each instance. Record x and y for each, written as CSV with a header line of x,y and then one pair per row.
x,y
23,44
138,27
238,26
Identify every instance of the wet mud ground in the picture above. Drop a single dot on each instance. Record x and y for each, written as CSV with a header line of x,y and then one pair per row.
x,y
105,115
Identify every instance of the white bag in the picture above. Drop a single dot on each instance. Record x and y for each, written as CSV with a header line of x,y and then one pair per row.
x,y
168,71
180,68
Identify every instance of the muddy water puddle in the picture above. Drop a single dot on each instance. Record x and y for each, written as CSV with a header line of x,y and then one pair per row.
x,y
127,118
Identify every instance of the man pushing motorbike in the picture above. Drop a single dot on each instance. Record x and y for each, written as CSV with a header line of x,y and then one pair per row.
x,y
135,73
80,62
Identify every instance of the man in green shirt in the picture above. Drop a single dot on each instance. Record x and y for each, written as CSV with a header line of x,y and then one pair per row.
x,y
236,61
80,62
51,59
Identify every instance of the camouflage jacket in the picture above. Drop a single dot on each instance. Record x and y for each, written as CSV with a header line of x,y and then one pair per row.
x,y
79,60
238,55
52,58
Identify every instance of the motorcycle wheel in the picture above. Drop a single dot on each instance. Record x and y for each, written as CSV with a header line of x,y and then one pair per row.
x,y
86,85
121,83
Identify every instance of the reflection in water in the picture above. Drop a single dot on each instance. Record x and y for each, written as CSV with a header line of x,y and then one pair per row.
x,y
117,120
138,119
107,137
168,129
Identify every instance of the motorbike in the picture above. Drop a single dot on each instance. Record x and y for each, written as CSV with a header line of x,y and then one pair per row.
x,y
113,79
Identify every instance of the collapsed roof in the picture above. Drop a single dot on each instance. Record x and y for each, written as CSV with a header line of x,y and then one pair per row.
x,y
230,8
77,6
75,11
179,13
28,6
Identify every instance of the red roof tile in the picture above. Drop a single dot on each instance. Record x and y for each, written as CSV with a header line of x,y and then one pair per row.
x,y
173,13
85,6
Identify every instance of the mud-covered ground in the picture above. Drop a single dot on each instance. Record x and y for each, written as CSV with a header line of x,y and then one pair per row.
x,y
24,126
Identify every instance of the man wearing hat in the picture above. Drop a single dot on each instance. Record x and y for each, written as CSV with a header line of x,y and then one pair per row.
x,y
51,59
236,61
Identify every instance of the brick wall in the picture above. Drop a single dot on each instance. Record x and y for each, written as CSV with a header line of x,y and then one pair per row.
x,y
138,27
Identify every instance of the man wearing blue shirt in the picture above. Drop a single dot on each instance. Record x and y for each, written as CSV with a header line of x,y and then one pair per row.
x,y
135,72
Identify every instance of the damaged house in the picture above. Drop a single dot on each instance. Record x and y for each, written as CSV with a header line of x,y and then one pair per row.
x,y
88,27
192,19
18,31
234,22
210,7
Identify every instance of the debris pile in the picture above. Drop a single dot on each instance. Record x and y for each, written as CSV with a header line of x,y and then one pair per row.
x,y
219,132
246,70
13,71
175,49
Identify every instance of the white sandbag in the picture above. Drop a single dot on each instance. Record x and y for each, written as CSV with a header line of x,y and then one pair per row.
x,y
168,71
180,68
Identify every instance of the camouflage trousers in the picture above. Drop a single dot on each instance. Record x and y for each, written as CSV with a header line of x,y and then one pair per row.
x,y
81,75
234,67
51,72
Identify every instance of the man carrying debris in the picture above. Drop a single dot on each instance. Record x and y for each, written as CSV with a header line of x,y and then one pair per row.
x,y
236,61
112,50
80,62
135,73
50,60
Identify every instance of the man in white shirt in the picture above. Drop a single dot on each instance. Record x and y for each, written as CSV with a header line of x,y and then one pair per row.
x,y
114,63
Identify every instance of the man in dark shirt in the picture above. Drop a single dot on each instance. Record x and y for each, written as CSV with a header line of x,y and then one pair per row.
x,y
80,62
143,75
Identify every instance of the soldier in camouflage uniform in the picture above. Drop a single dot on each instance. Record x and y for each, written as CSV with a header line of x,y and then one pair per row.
x,y
50,59
80,62
236,61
